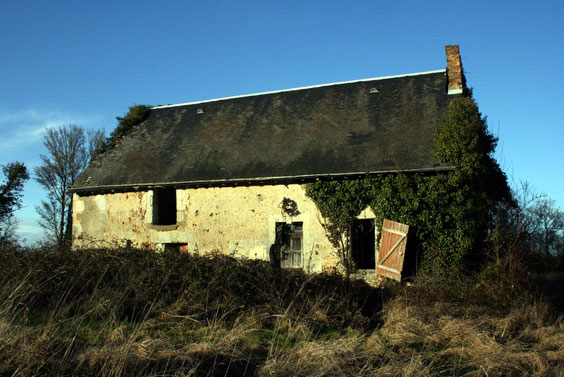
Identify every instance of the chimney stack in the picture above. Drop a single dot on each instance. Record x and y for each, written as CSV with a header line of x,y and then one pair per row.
x,y
455,76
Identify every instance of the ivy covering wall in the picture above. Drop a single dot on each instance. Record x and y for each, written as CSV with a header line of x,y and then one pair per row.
x,y
449,211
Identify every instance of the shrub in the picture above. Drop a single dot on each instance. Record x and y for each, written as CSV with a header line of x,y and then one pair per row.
x,y
136,115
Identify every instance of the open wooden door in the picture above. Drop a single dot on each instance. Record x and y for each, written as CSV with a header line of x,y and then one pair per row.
x,y
392,249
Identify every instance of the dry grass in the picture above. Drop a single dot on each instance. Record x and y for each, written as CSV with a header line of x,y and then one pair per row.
x,y
80,332
489,345
430,342
410,342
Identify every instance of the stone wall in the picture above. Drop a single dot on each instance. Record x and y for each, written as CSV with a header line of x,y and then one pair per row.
x,y
239,221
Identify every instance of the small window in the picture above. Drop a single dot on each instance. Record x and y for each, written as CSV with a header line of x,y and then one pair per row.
x,y
362,244
289,237
164,206
176,247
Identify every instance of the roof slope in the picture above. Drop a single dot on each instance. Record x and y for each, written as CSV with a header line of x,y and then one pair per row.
x,y
310,132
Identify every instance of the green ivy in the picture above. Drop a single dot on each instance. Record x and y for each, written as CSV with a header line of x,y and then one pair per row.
x,y
450,212
340,202
136,115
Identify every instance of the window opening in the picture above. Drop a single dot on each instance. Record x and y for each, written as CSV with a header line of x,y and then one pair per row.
x,y
362,244
289,237
176,247
164,206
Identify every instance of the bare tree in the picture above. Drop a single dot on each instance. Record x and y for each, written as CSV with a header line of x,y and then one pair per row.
x,y
69,150
546,227
96,142
530,228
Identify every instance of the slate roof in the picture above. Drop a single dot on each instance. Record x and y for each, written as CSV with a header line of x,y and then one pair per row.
x,y
367,126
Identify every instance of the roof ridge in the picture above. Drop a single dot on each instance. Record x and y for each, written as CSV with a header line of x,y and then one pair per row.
x,y
299,88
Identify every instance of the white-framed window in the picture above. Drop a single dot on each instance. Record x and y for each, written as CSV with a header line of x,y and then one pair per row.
x,y
290,240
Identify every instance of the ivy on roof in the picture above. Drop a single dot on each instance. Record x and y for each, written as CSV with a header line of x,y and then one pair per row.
x,y
136,115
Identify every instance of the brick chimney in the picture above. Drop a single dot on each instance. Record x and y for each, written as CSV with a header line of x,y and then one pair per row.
x,y
455,75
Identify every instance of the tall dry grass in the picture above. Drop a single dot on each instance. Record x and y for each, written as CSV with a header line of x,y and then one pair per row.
x,y
136,313
436,340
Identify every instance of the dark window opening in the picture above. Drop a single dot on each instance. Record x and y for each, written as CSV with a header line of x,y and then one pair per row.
x,y
164,206
176,247
289,238
362,244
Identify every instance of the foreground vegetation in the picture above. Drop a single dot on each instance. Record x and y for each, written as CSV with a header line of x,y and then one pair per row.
x,y
137,313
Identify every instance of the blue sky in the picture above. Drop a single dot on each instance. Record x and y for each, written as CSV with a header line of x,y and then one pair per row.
x,y
86,62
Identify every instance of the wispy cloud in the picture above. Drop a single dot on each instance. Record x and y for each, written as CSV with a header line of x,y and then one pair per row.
x,y
28,230
27,127
21,140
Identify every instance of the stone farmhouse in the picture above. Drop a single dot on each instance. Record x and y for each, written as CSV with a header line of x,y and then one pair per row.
x,y
214,175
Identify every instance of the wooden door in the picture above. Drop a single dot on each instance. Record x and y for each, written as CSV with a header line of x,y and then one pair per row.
x,y
392,249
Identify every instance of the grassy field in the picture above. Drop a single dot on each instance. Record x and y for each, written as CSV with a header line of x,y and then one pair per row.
x,y
138,313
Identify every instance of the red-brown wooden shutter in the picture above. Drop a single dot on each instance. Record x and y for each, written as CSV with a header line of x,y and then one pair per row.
x,y
392,249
